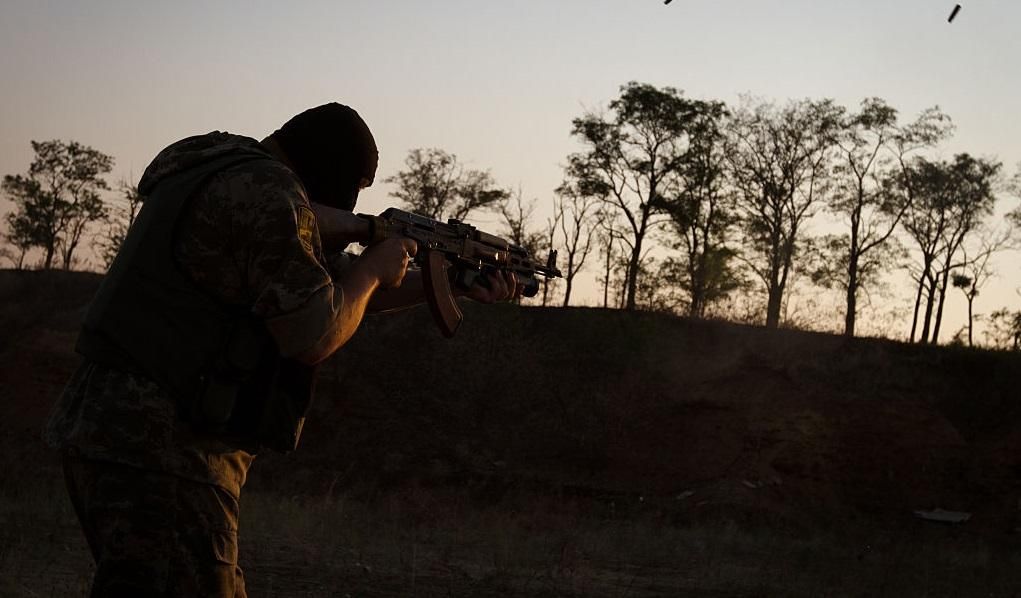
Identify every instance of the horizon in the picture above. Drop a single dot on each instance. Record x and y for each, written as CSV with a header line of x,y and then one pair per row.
x,y
497,85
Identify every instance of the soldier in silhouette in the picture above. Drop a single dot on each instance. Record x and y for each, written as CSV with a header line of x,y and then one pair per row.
x,y
200,346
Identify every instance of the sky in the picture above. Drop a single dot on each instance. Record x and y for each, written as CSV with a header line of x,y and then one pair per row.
x,y
496,83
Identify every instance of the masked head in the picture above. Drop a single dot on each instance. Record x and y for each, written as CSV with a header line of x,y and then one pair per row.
x,y
332,152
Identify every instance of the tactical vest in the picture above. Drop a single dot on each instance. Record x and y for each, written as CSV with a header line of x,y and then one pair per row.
x,y
218,362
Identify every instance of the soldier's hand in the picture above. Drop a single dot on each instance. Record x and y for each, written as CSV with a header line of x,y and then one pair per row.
x,y
389,260
503,286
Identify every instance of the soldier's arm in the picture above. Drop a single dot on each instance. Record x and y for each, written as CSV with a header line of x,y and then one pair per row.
x,y
379,267
357,287
308,312
340,228
410,293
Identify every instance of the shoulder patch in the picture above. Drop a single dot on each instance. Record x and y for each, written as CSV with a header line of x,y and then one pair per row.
x,y
306,227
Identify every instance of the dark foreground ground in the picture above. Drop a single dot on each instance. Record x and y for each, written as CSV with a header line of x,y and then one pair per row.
x,y
422,543
579,453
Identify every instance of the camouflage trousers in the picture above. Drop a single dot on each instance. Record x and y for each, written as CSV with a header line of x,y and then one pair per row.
x,y
154,534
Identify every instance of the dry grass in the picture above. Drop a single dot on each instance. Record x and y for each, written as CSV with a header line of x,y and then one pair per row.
x,y
441,542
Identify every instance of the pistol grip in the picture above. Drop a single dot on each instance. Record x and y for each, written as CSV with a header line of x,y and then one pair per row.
x,y
438,294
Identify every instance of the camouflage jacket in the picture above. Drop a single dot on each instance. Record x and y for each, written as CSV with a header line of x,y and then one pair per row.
x,y
249,238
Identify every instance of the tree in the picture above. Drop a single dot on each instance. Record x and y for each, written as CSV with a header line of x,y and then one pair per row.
x,y
435,185
871,149
614,253
779,161
578,217
1005,329
976,269
549,240
58,198
8,254
829,267
969,287
89,210
21,237
119,220
631,157
702,213
949,200
517,217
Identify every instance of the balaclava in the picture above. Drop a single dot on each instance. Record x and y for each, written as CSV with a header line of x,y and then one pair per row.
x,y
332,150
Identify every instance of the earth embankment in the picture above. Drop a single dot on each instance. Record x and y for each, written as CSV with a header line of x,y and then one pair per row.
x,y
687,417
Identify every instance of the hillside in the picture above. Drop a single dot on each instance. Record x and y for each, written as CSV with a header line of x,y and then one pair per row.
x,y
605,403
602,403
684,421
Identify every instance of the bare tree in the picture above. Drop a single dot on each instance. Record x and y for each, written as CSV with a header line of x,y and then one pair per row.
x,y
976,269
120,218
578,217
608,238
780,166
614,252
1005,329
435,185
550,242
517,218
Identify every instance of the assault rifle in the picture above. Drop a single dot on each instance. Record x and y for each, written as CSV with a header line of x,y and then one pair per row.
x,y
459,254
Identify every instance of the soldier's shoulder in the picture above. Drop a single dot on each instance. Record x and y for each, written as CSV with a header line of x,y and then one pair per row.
x,y
265,183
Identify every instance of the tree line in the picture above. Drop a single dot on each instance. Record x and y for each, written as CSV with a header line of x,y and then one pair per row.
x,y
725,195
678,204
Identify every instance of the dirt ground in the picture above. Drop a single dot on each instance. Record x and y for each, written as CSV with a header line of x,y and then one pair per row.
x,y
429,543
579,452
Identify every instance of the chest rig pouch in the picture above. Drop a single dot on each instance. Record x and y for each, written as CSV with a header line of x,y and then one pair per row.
x,y
253,394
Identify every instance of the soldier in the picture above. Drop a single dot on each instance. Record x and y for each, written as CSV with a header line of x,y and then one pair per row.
x,y
201,343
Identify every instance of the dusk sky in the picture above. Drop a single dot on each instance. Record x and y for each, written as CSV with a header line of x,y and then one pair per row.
x,y
496,83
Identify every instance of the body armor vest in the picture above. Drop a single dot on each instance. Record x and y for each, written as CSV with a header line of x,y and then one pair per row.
x,y
218,362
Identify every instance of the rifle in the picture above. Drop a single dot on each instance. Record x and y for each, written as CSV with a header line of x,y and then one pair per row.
x,y
459,254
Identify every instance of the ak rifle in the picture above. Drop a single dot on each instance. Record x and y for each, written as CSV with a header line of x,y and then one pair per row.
x,y
455,253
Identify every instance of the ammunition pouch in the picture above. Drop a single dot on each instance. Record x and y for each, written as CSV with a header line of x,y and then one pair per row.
x,y
252,394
